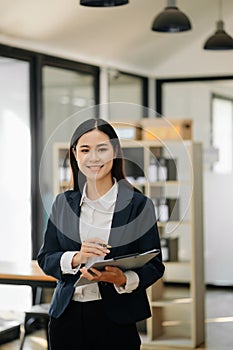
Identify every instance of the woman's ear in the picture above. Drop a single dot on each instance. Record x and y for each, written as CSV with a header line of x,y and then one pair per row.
x,y
74,153
115,153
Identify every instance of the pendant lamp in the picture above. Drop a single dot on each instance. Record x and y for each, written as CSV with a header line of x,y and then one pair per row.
x,y
171,20
220,40
103,3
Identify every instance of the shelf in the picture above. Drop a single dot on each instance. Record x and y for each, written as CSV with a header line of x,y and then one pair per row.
x,y
180,263
178,271
174,223
159,183
65,184
165,183
170,301
165,341
138,183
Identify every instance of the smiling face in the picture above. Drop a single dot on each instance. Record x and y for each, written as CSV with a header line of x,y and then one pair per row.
x,y
95,154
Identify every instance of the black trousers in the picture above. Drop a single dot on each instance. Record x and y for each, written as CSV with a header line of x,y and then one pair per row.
x,y
84,326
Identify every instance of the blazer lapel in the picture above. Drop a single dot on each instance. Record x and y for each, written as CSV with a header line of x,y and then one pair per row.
x,y
73,200
121,214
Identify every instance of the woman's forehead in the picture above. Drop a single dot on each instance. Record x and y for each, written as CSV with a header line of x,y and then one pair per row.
x,y
93,138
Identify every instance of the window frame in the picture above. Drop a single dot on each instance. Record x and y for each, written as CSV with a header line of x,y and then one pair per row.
x,y
144,86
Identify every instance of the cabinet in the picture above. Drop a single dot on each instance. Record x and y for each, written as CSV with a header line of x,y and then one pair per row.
x,y
61,168
170,173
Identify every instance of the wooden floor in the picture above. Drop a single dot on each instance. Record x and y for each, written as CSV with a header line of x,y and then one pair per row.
x,y
219,325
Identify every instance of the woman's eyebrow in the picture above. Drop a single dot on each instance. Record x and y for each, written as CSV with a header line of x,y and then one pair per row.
x,y
83,146
102,144
99,145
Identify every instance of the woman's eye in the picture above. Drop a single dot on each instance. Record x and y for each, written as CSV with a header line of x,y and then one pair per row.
x,y
84,151
102,149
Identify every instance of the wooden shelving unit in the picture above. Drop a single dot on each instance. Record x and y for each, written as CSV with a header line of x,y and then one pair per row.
x,y
177,301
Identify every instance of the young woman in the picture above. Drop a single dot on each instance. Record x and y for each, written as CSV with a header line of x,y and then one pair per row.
x,y
102,217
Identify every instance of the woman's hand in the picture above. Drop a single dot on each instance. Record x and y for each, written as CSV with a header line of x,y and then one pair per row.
x,y
90,248
110,274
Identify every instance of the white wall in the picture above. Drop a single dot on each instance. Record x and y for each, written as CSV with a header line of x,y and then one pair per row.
x,y
192,100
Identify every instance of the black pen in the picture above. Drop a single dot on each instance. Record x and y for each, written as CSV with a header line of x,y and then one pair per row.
x,y
104,245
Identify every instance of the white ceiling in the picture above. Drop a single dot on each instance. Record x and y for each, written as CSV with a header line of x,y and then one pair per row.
x,y
120,36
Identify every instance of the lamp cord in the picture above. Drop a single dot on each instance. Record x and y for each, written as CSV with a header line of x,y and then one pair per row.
x,y
220,10
171,3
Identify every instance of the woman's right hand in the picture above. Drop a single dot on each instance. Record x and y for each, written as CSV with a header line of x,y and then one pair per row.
x,y
90,248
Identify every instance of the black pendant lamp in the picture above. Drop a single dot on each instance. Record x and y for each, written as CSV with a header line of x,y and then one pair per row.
x,y
171,20
103,3
220,40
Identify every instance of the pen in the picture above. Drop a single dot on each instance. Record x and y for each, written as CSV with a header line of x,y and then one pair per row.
x,y
104,245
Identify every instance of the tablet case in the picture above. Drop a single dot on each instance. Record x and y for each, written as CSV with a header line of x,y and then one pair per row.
x,y
125,262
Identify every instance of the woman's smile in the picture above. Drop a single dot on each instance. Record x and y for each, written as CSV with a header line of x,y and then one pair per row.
x,y
95,168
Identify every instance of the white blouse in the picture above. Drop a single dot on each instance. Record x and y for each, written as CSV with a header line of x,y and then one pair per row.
x,y
95,221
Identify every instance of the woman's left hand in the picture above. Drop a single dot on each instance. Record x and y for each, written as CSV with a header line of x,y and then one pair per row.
x,y
110,274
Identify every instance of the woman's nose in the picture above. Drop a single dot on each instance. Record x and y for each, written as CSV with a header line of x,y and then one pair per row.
x,y
94,156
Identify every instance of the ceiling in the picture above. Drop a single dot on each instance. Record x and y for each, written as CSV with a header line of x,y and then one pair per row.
x,y
120,36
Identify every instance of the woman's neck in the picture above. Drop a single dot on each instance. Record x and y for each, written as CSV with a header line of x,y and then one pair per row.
x,y
96,189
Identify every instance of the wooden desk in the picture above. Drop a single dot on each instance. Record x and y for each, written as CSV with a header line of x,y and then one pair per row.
x,y
29,275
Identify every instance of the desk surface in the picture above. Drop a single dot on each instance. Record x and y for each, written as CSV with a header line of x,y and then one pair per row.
x,y
26,274
10,271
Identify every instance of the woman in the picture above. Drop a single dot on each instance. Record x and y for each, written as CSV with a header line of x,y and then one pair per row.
x,y
102,217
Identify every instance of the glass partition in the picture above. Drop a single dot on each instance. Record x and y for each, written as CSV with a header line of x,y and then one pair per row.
x,y
15,177
65,93
127,89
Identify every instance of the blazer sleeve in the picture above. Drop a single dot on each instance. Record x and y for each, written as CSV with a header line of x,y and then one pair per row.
x,y
148,239
58,238
50,252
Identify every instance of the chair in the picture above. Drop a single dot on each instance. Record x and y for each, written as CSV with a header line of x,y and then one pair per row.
x,y
37,312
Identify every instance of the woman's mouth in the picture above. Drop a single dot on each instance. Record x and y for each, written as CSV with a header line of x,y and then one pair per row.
x,y
94,167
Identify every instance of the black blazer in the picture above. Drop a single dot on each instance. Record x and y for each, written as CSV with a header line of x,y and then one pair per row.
x,y
133,230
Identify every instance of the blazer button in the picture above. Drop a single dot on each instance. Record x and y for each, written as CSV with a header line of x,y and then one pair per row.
x,y
104,284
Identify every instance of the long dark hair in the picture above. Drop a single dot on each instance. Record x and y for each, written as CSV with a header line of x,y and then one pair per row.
x,y
118,162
